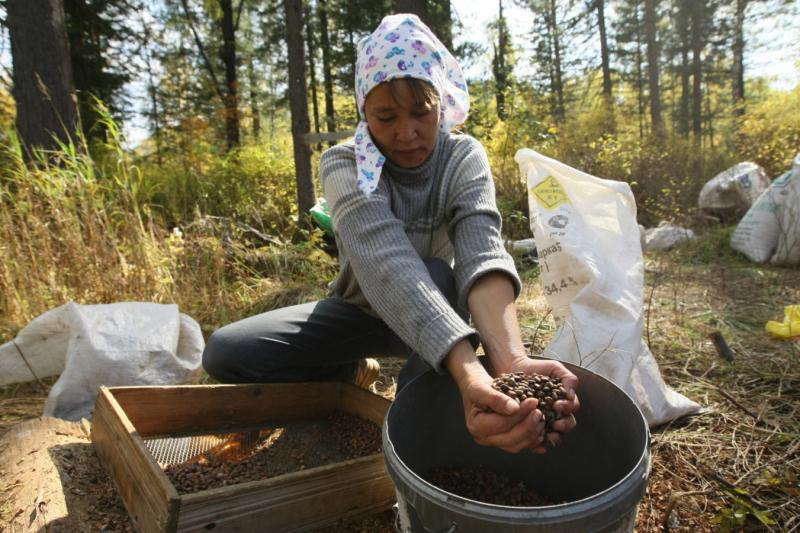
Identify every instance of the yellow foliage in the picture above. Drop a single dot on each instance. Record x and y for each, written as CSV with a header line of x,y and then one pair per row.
x,y
770,132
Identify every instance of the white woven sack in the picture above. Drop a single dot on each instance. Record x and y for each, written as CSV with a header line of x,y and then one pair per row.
x,y
757,234
787,252
734,189
593,276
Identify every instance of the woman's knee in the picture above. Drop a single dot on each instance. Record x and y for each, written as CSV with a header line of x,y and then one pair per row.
x,y
219,355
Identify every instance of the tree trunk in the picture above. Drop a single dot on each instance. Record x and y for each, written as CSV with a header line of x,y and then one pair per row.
x,y
418,7
152,89
639,73
601,22
298,105
327,77
650,22
353,59
272,99
445,26
685,46
228,55
558,82
312,68
710,120
254,110
499,65
697,73
738,58
42,73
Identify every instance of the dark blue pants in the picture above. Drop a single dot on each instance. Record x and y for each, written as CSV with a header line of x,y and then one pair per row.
x,y
316,341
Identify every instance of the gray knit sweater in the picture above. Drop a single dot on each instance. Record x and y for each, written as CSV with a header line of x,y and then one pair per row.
x,y
444,208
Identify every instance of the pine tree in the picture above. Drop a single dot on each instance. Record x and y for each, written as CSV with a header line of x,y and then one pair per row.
x,y
97,31
652,17
629,31
500,63
299,107
436,14
227,23
549,51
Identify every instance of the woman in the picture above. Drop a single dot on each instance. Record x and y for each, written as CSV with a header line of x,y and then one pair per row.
x,y
408,199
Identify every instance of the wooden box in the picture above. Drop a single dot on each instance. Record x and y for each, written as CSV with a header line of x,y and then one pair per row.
x,y
125,416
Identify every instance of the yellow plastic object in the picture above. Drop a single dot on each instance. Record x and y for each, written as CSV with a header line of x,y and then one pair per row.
x,y
790,327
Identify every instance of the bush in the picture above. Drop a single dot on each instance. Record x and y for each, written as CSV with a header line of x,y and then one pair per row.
x,y
253,185
770,133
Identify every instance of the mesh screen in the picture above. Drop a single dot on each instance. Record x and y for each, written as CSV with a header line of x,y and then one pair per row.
x,y
171,449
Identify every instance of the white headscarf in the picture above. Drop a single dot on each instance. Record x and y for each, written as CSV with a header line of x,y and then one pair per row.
x,y
404,47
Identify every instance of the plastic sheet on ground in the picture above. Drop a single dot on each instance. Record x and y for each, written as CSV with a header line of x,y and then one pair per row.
x,y
790,327
666,236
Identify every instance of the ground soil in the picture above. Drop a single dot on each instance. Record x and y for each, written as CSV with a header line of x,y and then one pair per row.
x,y
54,481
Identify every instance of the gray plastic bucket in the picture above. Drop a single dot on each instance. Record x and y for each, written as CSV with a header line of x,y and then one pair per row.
x,y
599,469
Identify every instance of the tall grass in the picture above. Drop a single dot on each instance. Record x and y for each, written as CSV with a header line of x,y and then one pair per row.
x,y
74,228
68,233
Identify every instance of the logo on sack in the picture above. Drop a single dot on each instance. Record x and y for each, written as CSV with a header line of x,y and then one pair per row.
x,y
549,193
558,221
744,179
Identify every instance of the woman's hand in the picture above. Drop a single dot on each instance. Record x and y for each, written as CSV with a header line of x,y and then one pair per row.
x,y
492,418
569,381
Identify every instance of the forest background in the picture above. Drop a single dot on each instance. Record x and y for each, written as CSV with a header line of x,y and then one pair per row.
x,y
209,208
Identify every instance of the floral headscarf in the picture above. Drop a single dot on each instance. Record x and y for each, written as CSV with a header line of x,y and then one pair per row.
x,y
404,47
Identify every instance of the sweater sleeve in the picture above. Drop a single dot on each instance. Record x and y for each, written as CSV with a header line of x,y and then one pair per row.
x,y
475,222
390,273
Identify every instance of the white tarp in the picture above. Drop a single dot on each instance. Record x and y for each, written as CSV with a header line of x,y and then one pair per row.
x,y
593,277
666,236
127,343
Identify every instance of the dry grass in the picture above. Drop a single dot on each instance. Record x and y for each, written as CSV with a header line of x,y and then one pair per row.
x,y
737,466
69,233
22,401
734,468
